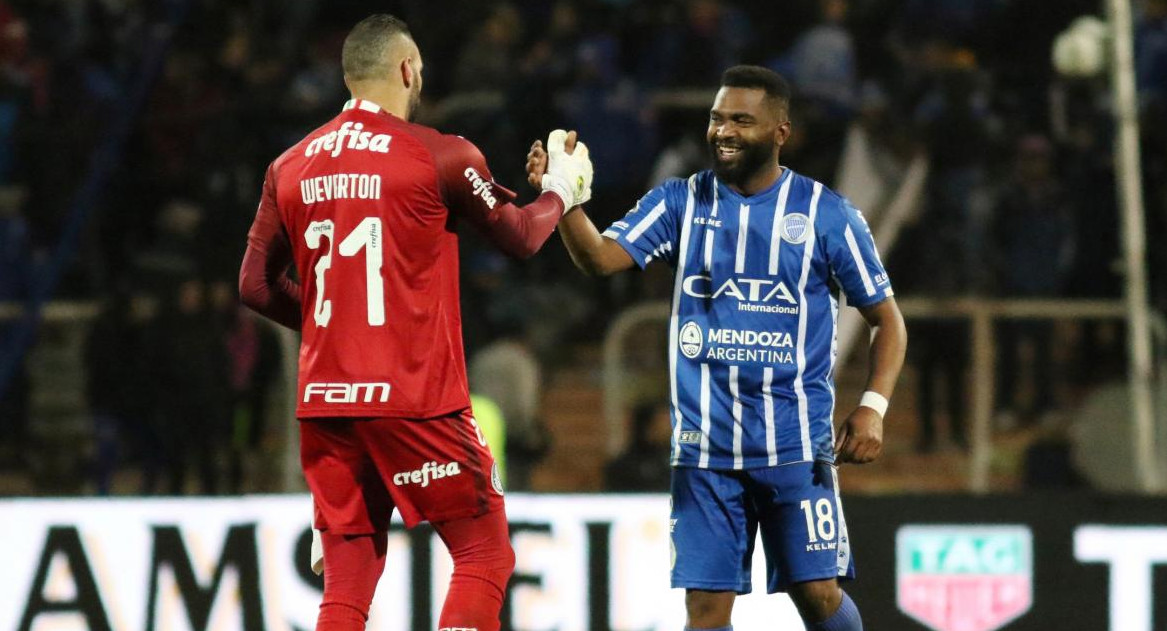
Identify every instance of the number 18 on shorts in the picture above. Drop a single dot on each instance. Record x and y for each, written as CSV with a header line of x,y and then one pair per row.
x,y
717,515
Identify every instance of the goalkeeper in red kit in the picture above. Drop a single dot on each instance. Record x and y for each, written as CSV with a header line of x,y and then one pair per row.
x,y
365,208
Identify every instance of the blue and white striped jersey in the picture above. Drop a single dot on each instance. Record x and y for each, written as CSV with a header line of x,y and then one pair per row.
x,y
755,301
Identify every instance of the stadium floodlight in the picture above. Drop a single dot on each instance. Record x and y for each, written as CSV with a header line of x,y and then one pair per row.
x,y
1080,51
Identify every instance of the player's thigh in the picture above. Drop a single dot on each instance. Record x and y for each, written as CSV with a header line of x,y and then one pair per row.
x,y
712,529
347,492
436,469
800,514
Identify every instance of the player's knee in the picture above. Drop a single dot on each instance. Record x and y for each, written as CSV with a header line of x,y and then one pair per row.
x,y
493,561
708,610
504,559
816,600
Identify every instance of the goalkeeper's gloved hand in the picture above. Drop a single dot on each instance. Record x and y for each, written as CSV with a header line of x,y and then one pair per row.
x,y
569,175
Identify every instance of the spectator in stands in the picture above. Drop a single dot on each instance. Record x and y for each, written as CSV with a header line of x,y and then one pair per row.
x,y
507,373
643,466
1049,462
121,390
1033,243
16,270
1151,53
1095,269
956,124
111,387
693,51
492,425
253,364
821,65
822,62
487,61
192,372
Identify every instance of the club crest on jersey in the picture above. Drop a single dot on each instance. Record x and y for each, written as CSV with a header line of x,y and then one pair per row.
x,y
795,228
496,478
690,339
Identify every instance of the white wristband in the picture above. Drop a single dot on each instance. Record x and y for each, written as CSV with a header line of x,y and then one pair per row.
x,y
875,401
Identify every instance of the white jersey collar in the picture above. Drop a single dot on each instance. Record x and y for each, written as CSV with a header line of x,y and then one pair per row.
x,y
362,104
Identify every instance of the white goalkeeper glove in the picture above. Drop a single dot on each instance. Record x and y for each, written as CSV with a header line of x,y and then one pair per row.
x,y
317,556
569,175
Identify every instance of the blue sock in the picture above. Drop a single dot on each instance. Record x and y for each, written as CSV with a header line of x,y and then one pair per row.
x,y
846,618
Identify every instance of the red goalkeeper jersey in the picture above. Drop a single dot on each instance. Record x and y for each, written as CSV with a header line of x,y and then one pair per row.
x,y
365,208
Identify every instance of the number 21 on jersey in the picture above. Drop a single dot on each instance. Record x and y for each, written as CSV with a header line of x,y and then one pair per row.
x,y
366,236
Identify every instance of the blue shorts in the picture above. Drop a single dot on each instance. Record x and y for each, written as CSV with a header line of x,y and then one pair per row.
x,y
716,515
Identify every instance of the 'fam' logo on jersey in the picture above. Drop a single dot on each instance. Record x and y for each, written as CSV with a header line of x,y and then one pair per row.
x,y
347,392
428,471
335,141
752,294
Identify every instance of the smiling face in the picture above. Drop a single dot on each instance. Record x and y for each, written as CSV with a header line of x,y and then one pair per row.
x,y
746,131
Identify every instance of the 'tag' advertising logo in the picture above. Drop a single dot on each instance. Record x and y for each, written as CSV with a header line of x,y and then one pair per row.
x,y
964,578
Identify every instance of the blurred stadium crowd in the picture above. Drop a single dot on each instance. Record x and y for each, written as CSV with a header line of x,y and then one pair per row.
x,y
1020,201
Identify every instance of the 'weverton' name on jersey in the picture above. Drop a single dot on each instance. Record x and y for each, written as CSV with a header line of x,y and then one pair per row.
x,y
340,186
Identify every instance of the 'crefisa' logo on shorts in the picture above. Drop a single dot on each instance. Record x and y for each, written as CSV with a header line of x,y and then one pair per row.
x,y
428,471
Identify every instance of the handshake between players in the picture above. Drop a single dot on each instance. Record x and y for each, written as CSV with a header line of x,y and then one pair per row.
x,y
352,246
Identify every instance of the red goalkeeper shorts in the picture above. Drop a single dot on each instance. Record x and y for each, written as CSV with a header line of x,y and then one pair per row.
x,y
433,470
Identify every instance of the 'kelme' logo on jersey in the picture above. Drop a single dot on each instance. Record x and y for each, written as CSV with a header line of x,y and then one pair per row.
x,y
752,294
349,136
690,339
481,187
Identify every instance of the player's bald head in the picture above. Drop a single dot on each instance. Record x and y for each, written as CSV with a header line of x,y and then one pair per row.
x,y
375,46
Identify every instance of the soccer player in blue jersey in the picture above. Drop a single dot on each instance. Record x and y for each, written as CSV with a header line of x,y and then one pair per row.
x,y
761,255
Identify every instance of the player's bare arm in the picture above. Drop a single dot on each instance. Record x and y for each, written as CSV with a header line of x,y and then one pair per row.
x,y
592,253
860,437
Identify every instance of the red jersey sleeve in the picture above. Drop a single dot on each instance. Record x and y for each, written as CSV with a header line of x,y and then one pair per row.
x,y
264,284
469,191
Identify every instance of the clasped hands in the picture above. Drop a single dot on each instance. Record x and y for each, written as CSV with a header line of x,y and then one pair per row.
x,y
563,168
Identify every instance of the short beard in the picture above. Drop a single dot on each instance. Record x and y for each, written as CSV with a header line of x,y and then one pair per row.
x,y
414,103
754,157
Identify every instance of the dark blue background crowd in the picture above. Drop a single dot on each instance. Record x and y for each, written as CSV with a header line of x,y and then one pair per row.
x,y
1020,202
